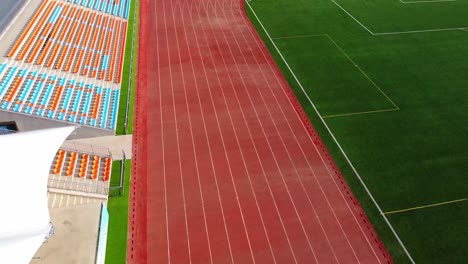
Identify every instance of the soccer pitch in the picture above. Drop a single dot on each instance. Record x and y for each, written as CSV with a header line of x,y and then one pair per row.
x,y
385,83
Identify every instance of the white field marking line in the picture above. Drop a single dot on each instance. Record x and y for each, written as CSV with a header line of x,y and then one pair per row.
x,y
396,32
425,1
206,131
420,31
351,16
299,36
329,173
359,68
334,138
249,178
192,135
14,20
162,140
289,125
426,206
264,133
361,113
176,125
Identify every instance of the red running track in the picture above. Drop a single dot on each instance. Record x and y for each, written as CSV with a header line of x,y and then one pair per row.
x,y
227,167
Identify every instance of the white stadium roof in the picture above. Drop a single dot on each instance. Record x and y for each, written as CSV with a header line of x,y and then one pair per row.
x,y
25,160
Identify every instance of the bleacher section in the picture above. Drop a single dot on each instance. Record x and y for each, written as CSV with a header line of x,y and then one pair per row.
x,y
83,37
81,165
119,8
57,98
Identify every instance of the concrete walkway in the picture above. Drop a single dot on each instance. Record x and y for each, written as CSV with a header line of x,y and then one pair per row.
x,y
115,144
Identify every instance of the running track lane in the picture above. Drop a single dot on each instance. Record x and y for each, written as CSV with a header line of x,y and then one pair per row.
x,y
227,167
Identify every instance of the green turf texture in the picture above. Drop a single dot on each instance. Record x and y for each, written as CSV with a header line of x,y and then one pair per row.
x,y
416,152
117,206
120,129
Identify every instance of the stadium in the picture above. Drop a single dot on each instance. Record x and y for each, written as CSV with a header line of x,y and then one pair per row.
x,y
234,131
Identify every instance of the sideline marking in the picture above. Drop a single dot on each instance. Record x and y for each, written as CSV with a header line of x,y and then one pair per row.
x,y
362,113
396,32
426,1
425,206
333,136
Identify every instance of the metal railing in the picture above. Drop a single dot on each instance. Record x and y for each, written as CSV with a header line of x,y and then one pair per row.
x,y
86,148
120,189
130,76
82,187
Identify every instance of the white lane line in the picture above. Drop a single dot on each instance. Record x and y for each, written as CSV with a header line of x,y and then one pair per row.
x,y
334,139
249,176
198,9
191,129
256,150
174,109
215,15
267,140
162,139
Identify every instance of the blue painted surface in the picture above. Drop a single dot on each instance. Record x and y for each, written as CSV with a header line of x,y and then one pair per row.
x,y
102,241
106,107
7,80
55,15
114,109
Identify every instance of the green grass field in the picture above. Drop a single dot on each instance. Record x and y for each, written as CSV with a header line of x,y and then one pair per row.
x,y
390,80
120,129
116,249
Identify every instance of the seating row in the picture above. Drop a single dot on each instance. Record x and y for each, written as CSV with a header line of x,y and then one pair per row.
x,y
81,165
49,96
73,39
119,8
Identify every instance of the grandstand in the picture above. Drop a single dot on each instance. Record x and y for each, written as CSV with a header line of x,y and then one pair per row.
x,y
77,37
65,63
49,96
61,64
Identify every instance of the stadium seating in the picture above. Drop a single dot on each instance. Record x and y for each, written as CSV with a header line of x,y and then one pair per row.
x,y
57,98
81,165
66,36
119,8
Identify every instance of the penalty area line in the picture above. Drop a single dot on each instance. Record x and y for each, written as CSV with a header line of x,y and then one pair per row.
x,y
362,113
425,206
426,1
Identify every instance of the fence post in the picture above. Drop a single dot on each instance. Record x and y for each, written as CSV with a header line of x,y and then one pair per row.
x,y
122,174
